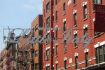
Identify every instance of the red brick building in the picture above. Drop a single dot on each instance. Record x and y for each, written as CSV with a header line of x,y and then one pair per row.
x,y
30,50
7,56
4,60
24,53
83,48
37,24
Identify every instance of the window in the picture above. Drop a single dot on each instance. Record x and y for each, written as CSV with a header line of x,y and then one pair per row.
x,y
53,67
75,20
32,66
65,64
74,1
65,46
75,40
104,51
76,62
64,26
100,54
32,53
64,8
85,32
85,11
36,66
44,12
47,54
56,17
48,7
48,24
97,1
86,59
48,21
56,66
48,68
36,53
56,1
36,28
48,38
56,49
56,33
85,35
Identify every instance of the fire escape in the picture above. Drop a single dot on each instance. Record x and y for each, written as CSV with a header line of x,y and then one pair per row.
x,y
15,58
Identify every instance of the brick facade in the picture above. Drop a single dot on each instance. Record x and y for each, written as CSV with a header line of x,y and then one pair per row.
x,y
76,17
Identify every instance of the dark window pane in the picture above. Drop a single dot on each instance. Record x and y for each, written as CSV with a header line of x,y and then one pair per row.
x,y
75,20
65,64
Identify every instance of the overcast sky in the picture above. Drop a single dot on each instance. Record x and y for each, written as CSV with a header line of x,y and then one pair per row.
x,y
18,13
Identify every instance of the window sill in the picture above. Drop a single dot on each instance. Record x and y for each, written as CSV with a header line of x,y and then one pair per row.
x,y
76,47
75,26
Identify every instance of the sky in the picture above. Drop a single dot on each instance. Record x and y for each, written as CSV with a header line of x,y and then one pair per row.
x,y
17,14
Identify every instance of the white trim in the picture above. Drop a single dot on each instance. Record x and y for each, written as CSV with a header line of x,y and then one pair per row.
x,y
76,54
64,20
53,14
85,26
93,19
53,30
86,50
102,43
47,65
47,48
48,31
73,64
81,62
74,11
69,2
84,3
65,58
56,26
75,32
70,60
56,62
56,44
99,44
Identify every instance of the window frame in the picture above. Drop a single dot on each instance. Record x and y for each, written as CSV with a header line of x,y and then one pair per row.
x,y
47,54
76,62
75,19
85,11
65,64
86,59
47,7
76,40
